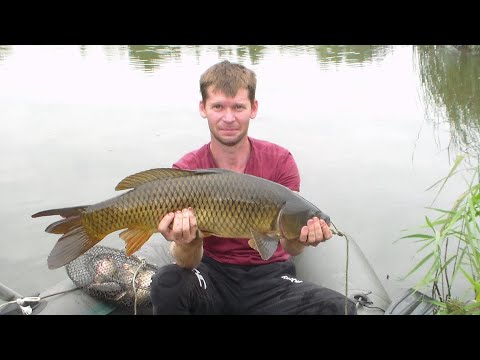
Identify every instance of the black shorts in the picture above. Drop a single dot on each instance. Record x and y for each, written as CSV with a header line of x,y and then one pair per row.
x,y
217,288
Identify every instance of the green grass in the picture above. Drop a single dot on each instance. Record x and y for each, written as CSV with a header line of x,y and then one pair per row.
x,y
449,242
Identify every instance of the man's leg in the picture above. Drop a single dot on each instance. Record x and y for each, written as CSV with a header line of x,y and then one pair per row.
x,y
178,291
208,289
276,290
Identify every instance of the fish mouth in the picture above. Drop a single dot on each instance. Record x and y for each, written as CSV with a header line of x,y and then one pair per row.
x,y
324,217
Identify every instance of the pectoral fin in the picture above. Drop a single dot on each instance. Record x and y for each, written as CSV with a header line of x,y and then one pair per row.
x,y
134,239
265,244
252,244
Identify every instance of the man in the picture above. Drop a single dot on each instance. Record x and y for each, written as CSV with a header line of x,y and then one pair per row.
x,y
215,275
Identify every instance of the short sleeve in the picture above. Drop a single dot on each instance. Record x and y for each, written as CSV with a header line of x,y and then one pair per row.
x,y
287,173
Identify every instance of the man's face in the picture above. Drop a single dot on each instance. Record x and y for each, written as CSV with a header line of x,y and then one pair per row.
x,y
228,117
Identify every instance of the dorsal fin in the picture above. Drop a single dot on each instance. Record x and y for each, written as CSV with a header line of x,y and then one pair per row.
x,y
132,181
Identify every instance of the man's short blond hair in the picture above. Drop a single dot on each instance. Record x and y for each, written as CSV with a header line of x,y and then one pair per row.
x,y
228,78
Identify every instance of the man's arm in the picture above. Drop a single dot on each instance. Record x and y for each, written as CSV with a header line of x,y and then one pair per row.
x,y
189,255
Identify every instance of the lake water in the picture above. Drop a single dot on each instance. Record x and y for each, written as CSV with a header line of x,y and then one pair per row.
x,y
366,125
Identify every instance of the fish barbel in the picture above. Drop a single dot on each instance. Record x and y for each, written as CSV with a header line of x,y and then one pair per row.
x,y
226,204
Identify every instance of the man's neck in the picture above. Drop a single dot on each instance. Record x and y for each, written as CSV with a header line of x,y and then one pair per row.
x,y
234,157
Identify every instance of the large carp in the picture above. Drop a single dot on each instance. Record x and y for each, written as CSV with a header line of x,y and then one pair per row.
x,y
226,204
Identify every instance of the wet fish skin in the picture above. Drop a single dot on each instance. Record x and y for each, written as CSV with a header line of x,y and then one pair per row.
x,y
226,204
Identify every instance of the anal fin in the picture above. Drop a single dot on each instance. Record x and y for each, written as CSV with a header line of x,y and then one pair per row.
x,y
134,239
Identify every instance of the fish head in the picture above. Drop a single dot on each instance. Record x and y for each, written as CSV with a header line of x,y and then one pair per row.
x,y
295,214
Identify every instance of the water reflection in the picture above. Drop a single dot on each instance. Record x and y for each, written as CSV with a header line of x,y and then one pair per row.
x,y
352,54
450,82
83,50
114,51
149,57
5,50
254,52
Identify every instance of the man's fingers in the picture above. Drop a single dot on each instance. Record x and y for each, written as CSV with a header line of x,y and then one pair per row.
x,y
179,226
303,235
165,223
314,231
185,224
193,223
327,232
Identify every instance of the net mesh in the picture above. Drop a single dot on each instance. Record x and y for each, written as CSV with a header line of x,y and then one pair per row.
x,y
108,274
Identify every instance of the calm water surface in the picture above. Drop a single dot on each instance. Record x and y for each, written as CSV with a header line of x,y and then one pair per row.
x,y
369,126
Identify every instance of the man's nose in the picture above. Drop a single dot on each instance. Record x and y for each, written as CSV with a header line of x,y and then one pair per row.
x,y
229,116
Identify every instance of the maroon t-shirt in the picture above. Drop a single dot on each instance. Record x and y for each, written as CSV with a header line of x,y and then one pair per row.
x,y
268,161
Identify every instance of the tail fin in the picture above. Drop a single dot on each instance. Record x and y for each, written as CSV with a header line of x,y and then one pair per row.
x,y
75,240
63,212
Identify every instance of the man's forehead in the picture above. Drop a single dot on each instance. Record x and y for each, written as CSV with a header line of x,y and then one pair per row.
x,y
241,95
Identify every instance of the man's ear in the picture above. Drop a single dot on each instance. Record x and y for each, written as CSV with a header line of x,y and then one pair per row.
x,y
254,109
201,108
